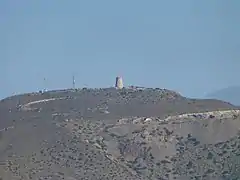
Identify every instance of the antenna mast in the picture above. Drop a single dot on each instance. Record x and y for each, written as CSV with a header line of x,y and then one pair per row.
x,y
45,85
73,81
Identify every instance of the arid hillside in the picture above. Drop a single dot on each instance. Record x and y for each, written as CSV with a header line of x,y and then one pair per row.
x,y
117,134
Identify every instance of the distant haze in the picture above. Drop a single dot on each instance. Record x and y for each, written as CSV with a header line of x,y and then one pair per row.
x,y
229,94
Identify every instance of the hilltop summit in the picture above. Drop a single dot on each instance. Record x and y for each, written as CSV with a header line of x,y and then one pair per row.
x,y
129,101
108,133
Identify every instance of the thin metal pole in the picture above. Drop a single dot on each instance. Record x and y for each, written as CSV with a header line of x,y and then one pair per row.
x,y
73,81
45,84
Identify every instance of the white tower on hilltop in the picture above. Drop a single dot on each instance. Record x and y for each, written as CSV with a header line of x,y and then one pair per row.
x,y
119,83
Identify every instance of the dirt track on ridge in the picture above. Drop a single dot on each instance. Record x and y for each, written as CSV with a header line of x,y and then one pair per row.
x,y
117,134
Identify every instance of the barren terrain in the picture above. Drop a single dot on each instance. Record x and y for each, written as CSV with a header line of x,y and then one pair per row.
x,y
118,134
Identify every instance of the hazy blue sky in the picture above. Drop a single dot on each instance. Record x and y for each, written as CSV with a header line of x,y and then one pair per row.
x,y
190,46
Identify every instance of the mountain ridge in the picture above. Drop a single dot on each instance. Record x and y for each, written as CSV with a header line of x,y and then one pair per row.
x,y
229,94
132,134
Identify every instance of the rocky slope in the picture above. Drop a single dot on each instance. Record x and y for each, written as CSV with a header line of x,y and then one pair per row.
x,y
117,134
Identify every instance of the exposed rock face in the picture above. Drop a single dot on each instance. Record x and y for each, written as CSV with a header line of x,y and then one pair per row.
x,y
118,134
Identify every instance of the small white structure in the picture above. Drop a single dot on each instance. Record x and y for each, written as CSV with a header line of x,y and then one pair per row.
x,y
119,82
